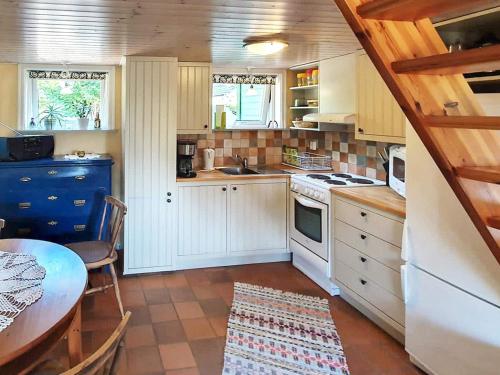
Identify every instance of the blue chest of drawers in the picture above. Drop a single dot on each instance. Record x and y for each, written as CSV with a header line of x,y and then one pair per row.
x,y
54,199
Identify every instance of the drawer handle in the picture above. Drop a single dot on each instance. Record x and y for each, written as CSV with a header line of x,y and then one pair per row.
x,y
80,178
52,172
363,214
24,205
362,259
235,188
363,282
224,189
52,197
79,227
52,223
363,237
79,202
25,179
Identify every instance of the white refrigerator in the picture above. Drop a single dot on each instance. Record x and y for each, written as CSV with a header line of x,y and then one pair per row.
x,y
451,281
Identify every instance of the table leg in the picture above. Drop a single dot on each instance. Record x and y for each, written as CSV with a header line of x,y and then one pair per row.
x,y
75,338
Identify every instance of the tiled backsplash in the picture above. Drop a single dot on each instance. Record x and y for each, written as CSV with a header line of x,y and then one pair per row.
x,y
265,147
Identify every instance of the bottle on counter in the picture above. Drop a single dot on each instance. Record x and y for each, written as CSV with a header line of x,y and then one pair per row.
x,y
97,121
32,123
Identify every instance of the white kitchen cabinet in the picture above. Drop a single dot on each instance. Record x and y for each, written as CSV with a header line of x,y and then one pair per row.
x,y
202,222
149,139
367,260
194,98
337,85
258,217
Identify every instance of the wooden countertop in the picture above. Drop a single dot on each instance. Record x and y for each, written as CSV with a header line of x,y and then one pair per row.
x,y
217,175
380,197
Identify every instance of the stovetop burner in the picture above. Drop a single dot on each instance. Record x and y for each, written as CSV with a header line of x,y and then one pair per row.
x,y
363,181
342,175
335,182
318,176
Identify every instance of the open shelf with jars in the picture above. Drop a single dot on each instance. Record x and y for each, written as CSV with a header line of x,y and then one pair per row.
x,y
303,91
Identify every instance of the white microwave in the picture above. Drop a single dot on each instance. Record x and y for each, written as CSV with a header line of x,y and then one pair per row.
x,y
397,164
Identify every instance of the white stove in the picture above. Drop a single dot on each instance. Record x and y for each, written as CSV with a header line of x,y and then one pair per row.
x,y
312,220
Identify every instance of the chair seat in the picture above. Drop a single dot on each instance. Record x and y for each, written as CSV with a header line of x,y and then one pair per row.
x,y
91,251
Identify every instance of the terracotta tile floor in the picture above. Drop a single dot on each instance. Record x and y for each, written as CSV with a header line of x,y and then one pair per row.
x,y
179,320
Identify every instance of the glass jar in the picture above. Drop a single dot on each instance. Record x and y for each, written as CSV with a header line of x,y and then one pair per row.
x,y
301,79
315,77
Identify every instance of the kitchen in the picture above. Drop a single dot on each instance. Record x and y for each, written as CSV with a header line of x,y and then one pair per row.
x,y
285,168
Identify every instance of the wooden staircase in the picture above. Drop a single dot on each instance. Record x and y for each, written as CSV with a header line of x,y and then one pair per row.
x,y
428,84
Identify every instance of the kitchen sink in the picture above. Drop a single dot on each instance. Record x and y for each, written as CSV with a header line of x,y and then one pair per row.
x,y
238,171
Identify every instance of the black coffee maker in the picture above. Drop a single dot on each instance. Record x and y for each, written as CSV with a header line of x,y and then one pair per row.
x,y
185,152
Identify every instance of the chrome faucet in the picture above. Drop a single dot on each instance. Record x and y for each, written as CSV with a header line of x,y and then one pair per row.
x,y
242,161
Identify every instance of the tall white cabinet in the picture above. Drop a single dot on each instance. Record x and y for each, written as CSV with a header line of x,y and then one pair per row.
x,y
149,137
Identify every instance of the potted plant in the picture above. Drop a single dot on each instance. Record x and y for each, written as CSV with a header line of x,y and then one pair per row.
x,y
50,116
82,109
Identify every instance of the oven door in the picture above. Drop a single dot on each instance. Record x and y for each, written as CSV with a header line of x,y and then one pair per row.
x,y
309,224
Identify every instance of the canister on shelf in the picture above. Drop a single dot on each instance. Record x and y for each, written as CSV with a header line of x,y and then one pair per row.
x,y
315,76
301,79
309,77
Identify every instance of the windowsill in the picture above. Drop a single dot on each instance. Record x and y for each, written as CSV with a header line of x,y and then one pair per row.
x,y
43,131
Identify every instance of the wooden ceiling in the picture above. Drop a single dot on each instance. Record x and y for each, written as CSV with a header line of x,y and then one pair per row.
x,y
101,31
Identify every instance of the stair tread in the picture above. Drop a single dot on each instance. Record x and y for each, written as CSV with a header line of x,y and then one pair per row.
x,y
485,174
464,122
411,10
494,222
467,61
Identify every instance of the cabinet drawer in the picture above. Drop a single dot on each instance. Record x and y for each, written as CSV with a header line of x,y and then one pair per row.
x,y
384,276
46,177
380,226
368,244
388,303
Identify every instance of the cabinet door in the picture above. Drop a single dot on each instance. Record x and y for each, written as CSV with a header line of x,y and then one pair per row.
x,y
258,217
202,222
150,113
380,117
195,95
337,84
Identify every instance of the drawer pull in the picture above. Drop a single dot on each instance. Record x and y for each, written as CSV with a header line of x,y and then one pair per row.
x,y
52,172
24,205
363,282
52,197
25,179
362,259
363,214
79,227
363,237
79,202
224,189
52,223
80,178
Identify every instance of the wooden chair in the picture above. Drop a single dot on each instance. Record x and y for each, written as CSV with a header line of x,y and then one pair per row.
x,y
102,362
101,253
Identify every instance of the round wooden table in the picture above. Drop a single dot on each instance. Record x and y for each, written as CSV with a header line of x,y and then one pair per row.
x,y
40,326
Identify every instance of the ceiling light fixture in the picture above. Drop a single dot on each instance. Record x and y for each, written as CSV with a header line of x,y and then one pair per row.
x,y
266,47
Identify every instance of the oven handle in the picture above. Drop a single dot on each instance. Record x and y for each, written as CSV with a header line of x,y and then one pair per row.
x,y
307,202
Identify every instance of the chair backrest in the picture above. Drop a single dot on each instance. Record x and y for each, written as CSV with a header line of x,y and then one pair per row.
x,y
104,359
113,214
2,225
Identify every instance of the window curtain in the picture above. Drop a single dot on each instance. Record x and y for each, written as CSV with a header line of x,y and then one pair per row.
x,y
248,79
60,74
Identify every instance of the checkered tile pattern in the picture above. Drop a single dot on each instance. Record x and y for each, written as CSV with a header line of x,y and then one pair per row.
x,y
265,148
179,322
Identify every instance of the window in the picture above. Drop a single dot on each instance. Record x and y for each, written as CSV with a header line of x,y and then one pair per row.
x,y
62,99
246,101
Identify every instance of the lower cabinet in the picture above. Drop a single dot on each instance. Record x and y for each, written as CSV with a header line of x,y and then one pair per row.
x,y
258,217
218,223
202,220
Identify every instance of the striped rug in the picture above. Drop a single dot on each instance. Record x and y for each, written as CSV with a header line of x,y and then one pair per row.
x,y
271,332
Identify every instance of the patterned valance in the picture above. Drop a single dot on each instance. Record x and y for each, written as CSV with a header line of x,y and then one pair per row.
x,y
59,74
256,79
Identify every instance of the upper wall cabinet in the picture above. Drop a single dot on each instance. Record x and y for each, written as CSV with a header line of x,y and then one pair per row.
x,y
337,85
380,117
194,96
